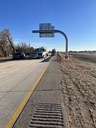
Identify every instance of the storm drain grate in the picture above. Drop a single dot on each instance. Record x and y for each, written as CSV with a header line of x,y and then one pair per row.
x,y
47,115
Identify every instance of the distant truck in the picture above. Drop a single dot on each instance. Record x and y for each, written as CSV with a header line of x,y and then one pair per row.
x,y
53,52
41,52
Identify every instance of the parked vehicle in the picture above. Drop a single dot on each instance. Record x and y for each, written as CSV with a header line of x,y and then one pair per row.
x,y
18,55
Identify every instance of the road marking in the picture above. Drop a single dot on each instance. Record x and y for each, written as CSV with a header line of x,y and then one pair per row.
x,y
23,103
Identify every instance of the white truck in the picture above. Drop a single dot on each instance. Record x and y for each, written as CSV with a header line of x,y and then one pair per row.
x,y
41,52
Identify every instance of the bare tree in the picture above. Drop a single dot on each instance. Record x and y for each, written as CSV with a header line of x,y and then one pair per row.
x,y
24,47
6,42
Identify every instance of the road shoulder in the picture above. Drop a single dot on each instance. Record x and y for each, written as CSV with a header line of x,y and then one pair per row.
x,y
48,91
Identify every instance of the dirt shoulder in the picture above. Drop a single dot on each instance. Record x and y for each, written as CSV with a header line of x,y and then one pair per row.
x,y
78,80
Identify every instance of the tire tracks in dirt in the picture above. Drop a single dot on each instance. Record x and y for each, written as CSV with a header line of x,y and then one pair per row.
x,y
79,92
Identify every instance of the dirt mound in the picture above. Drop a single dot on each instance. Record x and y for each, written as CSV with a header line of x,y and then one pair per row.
x,y
78,80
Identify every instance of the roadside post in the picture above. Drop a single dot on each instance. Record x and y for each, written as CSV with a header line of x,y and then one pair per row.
x,y
46,30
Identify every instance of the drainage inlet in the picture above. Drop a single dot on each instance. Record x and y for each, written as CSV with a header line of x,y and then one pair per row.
x,y
47,115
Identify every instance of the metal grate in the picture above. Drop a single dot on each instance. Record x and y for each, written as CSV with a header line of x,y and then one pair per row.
x,y
47,115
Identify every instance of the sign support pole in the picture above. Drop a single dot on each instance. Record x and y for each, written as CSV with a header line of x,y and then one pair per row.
x,y
66,39
55,31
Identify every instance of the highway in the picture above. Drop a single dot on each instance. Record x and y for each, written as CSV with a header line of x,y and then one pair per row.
x,y
16,79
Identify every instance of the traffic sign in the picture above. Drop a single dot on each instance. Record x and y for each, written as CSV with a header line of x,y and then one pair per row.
x,y
46,26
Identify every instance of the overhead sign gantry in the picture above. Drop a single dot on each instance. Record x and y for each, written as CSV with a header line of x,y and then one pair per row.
x,y
46,30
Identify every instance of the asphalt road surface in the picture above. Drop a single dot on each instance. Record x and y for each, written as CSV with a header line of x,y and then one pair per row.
x,y
45,108
16,79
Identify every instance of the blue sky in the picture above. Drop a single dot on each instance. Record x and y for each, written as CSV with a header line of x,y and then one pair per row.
x,y
77,18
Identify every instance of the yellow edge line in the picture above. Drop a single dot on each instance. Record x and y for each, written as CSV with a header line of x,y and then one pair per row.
x,y
23,103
